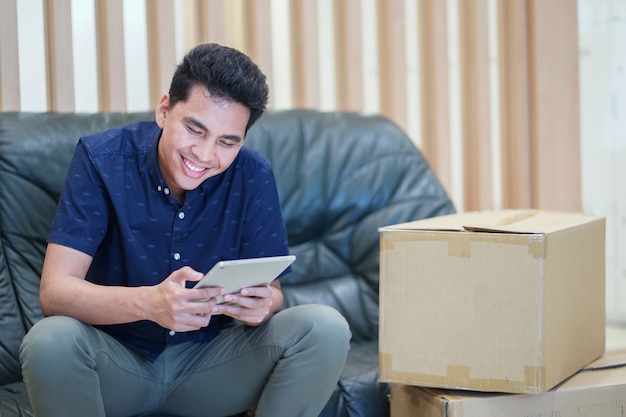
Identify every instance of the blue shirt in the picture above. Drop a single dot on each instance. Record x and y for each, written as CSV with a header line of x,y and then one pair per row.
x,y
116,207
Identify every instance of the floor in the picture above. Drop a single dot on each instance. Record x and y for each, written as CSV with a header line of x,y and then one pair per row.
x,y
615,337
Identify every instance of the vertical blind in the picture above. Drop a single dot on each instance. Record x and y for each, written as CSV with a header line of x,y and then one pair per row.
x,y
488,89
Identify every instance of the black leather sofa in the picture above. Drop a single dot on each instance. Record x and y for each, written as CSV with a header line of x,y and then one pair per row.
x,y
340,177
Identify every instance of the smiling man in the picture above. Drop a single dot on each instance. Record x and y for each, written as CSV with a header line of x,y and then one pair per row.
x,y
198,147
145,211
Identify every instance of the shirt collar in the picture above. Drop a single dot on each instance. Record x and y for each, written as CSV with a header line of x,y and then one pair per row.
x,y
152,162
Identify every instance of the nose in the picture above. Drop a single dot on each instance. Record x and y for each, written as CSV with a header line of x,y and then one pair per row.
x,y
205,151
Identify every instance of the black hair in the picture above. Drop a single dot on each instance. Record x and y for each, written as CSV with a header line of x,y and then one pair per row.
x,y
226,73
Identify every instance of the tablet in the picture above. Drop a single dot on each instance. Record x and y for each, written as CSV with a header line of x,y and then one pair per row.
x,y
236,274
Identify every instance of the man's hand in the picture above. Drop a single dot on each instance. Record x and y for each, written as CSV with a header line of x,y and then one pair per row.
x,y
252,305
65,292
177,308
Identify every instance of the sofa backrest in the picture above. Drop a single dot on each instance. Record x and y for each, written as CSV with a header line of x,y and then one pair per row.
x,y
340,176
35,152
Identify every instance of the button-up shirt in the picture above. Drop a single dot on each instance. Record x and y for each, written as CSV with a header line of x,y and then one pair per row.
x,y
116,207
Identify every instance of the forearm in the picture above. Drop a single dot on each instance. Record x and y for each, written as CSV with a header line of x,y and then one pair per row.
x,y
91,303
277,300
65,291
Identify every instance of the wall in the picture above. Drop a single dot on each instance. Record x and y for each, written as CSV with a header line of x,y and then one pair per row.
x,y
602,28
493,91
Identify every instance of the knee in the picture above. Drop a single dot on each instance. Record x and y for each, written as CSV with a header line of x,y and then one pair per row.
x,y
325,327
50,341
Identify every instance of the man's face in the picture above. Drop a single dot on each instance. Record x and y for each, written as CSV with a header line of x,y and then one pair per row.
x,y
201,138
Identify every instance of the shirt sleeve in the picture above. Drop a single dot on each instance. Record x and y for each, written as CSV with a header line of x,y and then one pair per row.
x,y
82,213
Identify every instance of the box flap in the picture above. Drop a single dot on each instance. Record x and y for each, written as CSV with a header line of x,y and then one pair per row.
x,y
502,221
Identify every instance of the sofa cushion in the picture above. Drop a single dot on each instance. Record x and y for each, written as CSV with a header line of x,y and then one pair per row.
x,y
14,401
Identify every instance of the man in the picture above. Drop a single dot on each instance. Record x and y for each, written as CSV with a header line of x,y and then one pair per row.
x,y
145,211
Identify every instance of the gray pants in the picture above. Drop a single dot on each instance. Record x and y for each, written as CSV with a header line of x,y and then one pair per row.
x,y
287,367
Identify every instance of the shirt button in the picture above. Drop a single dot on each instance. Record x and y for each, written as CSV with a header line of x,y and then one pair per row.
x,y
177,256
159,188
166,190
181,215
172,332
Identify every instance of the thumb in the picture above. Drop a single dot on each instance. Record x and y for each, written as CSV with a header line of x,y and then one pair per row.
x,y
186,273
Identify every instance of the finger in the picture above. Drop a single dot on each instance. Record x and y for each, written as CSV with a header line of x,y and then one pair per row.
x,y
184,274
202,308
244,314
191,321
251,317
261,292
205,294
191,274
252,301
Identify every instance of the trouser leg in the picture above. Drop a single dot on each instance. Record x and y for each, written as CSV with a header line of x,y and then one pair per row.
x,y
307,374
64,362
289,366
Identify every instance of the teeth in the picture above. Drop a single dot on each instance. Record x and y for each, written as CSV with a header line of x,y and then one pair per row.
x,y
193,167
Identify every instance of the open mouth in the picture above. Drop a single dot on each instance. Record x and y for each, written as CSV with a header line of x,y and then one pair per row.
x,y
191,166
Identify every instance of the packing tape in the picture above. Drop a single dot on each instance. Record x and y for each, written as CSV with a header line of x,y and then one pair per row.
x,y
459,248
458,377
516,217
460,243
420,398
537,247
387,241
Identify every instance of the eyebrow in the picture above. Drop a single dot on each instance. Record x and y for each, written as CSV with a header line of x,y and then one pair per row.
x,y
195,122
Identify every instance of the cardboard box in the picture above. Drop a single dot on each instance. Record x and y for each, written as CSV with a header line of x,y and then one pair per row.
x,y
507,301
598,391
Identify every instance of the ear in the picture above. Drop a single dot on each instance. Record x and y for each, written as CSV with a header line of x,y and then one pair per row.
x,y
161,110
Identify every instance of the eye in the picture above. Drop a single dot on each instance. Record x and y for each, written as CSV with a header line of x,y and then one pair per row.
x,y
192,130
226,143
